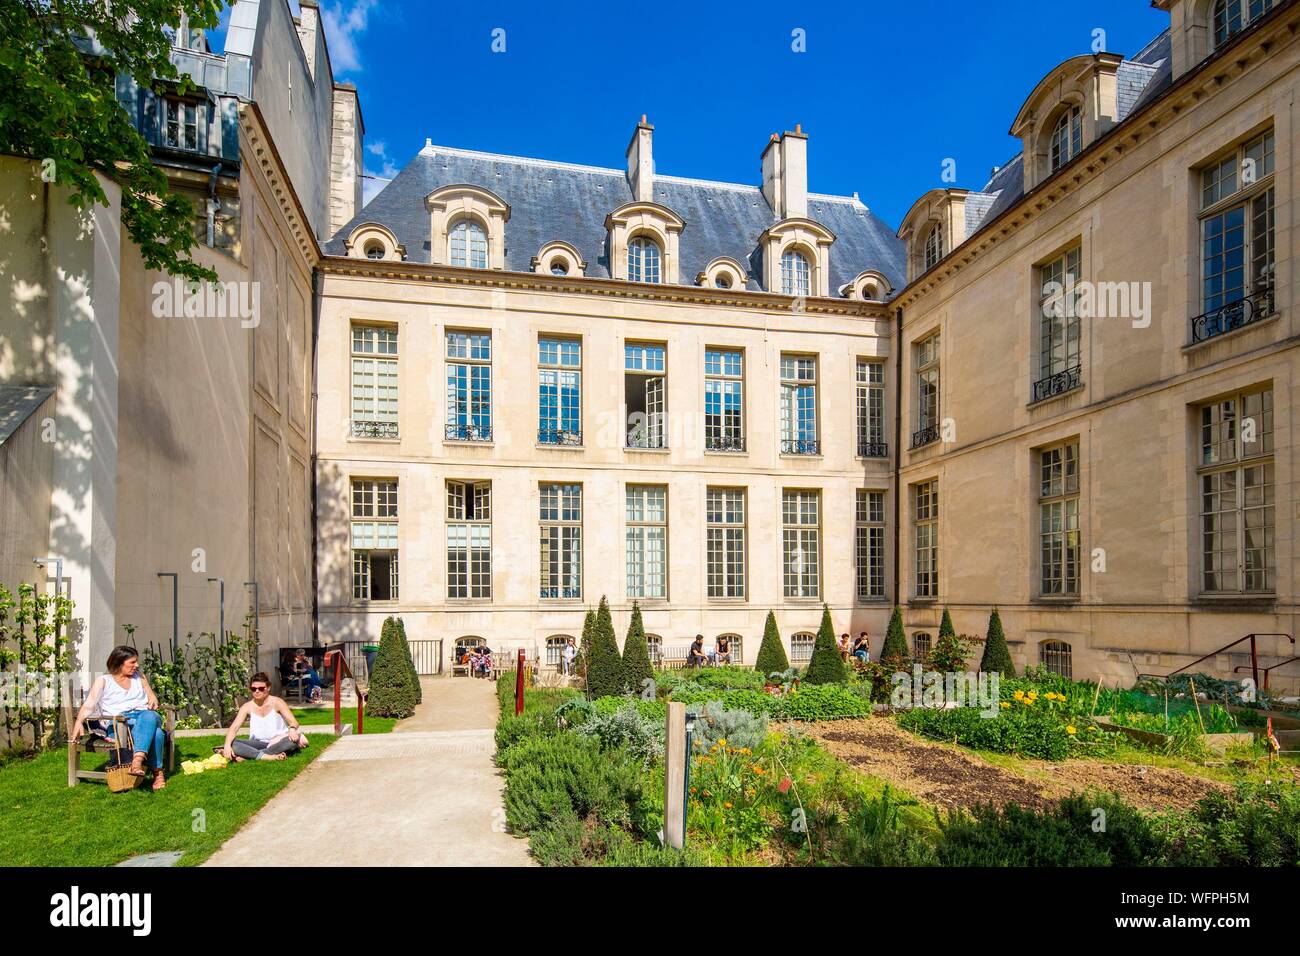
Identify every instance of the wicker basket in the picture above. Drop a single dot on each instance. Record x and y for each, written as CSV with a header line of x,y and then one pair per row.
x,y
120,779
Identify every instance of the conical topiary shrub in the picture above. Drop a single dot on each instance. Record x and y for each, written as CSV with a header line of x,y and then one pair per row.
x,y
584,645
605,668
894,652
636,655
945,626
997,656
400,627
826,666
771,654
392,692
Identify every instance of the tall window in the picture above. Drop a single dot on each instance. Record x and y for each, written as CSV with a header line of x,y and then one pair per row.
x,y
925,523
1058,516
1057,657
799,405
645,381
801,543
1237,231
561,535
1067,137
1059,326
467,244
801,647
469,386
934,246
643,260
796,276
724,510
469,539
559,399
647,541
927,391
871,409
869,544
724,400
1232,16
1236,483
374,540
374,382
181,124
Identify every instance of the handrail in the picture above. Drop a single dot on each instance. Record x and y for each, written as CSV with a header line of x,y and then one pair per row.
x,y
1254,654
1267,670
341,665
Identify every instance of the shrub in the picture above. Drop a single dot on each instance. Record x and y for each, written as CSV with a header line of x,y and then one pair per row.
x,y
826,665
875,835
605,666
655,710
636,656
512,729
771,654
894,652
721,678
997,656
410,659
629,731
1024,731
1254,825
392,692
738,727
553,780
821,702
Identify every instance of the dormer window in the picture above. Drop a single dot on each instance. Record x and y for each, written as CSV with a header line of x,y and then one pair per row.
x,y
375,250
1067,137
467,245
372,241
934,246
796,276
643,260
181,130
723,281
1233,16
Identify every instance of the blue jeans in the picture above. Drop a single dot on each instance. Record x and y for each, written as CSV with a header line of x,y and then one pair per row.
x,y
147,733
861,655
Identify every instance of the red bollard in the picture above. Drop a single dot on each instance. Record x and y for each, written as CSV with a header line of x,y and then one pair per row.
x,y
519,684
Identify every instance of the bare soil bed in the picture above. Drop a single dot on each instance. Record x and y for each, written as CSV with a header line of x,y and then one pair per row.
x,y
950,777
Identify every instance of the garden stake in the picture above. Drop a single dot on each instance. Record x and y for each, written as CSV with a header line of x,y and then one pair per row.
x,y
1095,695
1196,704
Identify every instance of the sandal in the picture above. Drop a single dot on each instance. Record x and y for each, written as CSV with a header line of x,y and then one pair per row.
x,y
137,765
159,780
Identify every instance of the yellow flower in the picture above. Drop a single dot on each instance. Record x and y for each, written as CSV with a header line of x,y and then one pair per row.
x,y
726,806
1019,695
1071,731
1005,704
758,769
1091,727
722,742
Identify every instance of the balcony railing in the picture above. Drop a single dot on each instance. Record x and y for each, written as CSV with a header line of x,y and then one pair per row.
x,y
873,449
558,436
560,593
374,429
925,436
1232,316
800,446
1057,384
724,443
646,440
469,433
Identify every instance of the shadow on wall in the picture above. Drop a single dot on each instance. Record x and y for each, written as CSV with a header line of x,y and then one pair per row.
x,y
334,562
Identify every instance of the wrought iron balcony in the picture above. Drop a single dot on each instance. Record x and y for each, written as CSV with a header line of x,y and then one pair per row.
x,y
873,449
926,436
1232,316
363,429
557,436
1056,384
469,433
646,440
724,443
560,593
800,446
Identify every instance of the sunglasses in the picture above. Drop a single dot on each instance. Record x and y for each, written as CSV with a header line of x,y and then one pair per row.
x,y
259,689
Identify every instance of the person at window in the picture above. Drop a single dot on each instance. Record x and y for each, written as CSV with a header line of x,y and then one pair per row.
x,y
722,651
273,731
125,692
695,657
306,675
567,655
844,645
862,647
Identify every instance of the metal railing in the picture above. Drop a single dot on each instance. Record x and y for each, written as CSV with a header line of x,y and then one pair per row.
x,y
724,443
373,429
1057,384
1254,656
646,440
469,432
873,449
800,446
557,436
1234,315
340,664
925,436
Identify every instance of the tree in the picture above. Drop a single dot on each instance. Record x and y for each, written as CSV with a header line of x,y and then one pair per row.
x,y
771,653
826,666
59,64
584,644
400,626
636,655
895,650
392,692
605,668
997,656
945,626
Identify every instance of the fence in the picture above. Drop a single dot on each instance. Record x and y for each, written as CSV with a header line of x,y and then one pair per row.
x,y
427,656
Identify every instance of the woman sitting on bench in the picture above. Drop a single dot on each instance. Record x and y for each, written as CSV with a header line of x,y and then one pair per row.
x,y
272,728
124,692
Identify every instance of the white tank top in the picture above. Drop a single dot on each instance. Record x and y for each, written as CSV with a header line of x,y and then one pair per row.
x,y
116,701
268,727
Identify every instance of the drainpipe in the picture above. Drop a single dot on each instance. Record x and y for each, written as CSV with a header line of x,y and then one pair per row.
x,y
315,534
898,451
221,620
213,205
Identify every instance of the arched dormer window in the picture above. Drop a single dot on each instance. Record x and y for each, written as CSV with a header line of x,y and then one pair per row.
x,y
796,275
375,249
723,272
1230,17
559,258
644,259
934,246
372,241
467,245
1067,138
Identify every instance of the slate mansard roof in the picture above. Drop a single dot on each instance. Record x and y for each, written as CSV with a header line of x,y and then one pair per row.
x,y
550,200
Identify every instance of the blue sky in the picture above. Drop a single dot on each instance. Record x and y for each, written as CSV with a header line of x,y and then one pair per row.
x,y
886,91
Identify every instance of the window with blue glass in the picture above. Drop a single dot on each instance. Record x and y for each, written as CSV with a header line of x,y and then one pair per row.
x,y
799,405
643,260
1230,17
469,386
645,389
559,391
561,541
724,400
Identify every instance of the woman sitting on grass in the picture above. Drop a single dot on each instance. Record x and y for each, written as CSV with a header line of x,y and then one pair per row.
x,y
124,692
273,731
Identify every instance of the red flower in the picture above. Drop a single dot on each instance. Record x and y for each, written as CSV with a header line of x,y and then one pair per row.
x,y
784,785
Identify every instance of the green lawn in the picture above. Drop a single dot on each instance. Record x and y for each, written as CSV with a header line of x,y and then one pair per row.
x,y
374,725
44,822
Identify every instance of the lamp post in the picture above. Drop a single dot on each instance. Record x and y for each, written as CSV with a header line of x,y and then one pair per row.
x,y
176,624
221,618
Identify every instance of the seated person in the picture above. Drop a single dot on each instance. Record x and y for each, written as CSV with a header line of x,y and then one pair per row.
x,y
306,674
722,651
844,645
124,692
273,731
862,647
695,657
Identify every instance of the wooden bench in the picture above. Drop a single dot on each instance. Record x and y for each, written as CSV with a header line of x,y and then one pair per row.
x,y
90,740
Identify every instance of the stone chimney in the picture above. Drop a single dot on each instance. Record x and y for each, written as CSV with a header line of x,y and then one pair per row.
x,y
640,162
346,156
308,22
785,174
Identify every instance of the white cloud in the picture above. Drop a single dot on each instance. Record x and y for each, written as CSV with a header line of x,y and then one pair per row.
x,y
343,25
376,181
